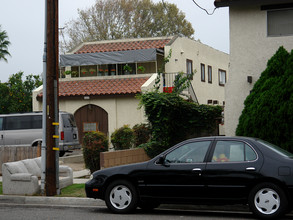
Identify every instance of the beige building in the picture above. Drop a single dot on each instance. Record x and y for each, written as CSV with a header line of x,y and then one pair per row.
x,y
99,80
257,29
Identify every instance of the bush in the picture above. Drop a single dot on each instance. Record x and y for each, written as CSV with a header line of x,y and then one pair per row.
x,y
122,138
93,144
174,119
267,112
141,134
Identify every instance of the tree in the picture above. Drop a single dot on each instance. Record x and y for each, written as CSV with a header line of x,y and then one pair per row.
x,y
4,43
16,94
117,19
268,110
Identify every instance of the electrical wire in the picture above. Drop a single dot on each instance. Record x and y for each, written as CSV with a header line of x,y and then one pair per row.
x,y
203,8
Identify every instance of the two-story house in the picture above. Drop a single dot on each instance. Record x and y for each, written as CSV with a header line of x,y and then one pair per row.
x,y
257,29
99,80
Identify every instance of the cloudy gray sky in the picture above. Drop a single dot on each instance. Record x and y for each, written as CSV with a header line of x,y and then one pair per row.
x,y
24,23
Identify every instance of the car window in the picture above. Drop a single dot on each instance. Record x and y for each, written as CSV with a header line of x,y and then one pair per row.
x,y
68,121
189,153
233,151
23,122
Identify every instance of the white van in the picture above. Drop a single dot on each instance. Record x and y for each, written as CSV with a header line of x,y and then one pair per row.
x,y
25,129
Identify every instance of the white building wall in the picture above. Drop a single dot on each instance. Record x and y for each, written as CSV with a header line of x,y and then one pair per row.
x,y
250,49
183,49
121,111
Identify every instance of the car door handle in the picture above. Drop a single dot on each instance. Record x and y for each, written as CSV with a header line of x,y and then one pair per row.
x,y
197,170
250,169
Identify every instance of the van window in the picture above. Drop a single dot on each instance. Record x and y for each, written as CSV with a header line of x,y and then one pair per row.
x,y
1,124
68,121
23,122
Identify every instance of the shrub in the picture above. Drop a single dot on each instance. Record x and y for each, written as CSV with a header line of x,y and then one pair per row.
x,y
141,133
93,144
122,138
174,119
267,112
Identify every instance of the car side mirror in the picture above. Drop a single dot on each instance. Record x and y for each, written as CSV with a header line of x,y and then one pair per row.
x,y
161,160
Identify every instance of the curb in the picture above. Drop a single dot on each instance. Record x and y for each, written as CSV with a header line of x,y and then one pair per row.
x,y
51,201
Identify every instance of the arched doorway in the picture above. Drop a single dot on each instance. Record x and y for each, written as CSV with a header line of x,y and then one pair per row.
x,y
91,118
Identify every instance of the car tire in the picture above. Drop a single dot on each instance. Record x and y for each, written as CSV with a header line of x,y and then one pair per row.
x,y
121,197
61,153
268,201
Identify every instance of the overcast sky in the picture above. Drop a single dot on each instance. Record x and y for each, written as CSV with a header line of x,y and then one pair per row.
x,y
24,23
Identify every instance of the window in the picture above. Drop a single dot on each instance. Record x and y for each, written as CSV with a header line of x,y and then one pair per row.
x,y
222,77
189,66
23,122
1,124
88,71
280,22
233,151
202,70
189,153
88,127
68,121
210,74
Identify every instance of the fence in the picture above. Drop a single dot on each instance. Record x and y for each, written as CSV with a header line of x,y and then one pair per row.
x,y
10,154
121,157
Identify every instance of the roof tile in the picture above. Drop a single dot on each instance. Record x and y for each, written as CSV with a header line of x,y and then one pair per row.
x,y
123,46
101,87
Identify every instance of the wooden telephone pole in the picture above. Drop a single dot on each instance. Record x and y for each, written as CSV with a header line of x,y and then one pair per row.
x,y
52,97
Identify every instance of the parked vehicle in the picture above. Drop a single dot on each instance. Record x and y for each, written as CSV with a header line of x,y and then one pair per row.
x,y
212,170
25,129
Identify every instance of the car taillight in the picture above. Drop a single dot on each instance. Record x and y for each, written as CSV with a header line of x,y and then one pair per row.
x,y
62,135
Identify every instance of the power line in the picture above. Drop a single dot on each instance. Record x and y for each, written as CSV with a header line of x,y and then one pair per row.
x,y
204,8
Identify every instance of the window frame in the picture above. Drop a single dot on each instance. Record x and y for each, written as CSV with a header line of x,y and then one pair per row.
x,y
188,61
219,73
271,21
210,74
202,72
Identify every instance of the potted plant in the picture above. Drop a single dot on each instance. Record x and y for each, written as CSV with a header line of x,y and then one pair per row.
x,y
67,73
93,71
127,69
83,71
141,69
74,73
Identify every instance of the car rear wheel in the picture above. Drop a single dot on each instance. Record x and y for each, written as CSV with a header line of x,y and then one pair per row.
x,y
121,197
268,201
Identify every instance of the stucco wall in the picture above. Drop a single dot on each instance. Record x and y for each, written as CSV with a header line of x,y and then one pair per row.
x,y
121,110
250,49
183,49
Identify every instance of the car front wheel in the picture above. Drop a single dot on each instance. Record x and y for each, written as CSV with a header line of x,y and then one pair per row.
x,y
121,197
268,201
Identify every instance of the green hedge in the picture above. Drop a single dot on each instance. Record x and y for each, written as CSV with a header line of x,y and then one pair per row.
x,y
173,119
268,110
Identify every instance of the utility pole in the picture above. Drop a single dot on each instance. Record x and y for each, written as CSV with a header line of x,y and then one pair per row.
x,y
52,98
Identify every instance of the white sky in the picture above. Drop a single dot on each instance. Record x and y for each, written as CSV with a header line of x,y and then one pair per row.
x,y
24,23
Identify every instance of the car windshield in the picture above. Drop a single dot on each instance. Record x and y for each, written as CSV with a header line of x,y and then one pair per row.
x,y
276,149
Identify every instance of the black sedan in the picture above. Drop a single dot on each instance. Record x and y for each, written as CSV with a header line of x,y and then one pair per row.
x,y
212,170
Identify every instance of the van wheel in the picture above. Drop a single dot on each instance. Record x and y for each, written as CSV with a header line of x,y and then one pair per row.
x,y
61,153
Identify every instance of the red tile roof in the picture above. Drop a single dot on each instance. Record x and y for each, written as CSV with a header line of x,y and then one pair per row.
x,y
101,87
122,46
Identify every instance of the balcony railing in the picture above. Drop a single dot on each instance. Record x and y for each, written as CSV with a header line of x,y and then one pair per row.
x,y
168,86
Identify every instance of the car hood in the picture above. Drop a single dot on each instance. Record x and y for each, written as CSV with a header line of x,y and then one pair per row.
x,y
123,169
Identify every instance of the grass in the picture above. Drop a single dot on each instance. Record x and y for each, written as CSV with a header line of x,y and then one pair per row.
x,y
74,190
